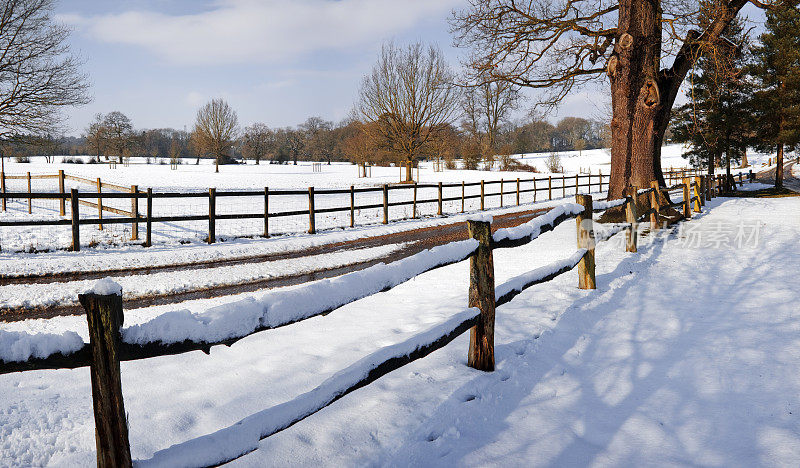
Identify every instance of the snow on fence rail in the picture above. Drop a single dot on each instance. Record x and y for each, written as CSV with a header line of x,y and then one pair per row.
x,y
105,318
438,198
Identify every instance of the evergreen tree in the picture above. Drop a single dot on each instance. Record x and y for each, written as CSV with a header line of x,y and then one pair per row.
x,y
713,120
776,77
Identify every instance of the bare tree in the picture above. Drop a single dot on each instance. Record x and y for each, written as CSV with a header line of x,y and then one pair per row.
x,y
561,44
216,127
38,75
118,133
257,141
408,97
487,106
95,135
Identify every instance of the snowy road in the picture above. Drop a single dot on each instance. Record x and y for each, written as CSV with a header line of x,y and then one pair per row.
x,y
688,353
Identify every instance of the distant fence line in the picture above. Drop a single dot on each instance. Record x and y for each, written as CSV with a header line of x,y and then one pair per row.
x,y
551,186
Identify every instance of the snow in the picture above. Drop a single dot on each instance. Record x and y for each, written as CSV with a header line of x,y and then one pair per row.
x,y
22,346
686,354
171,282
533,228
243,436
105,287
605,205
482,217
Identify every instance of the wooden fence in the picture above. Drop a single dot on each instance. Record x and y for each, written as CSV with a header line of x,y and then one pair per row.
x,y
105,312
548,187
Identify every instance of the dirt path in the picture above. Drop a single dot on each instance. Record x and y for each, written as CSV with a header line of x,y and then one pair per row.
x,y
419,239
789,181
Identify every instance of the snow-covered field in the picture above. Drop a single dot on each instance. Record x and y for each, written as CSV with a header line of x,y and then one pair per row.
x,y
686,354
199,178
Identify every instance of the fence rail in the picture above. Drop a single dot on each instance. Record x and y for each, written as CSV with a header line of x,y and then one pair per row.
x,y
105,317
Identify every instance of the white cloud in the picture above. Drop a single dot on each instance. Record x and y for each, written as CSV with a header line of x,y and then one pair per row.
x,y
240,31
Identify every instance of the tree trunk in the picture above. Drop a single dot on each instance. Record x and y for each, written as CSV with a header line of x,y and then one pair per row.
x,y
744,158
779,167
639,119
409,163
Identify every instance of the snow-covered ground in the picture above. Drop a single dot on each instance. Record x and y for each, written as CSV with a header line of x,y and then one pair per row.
x,y
687,353
199,178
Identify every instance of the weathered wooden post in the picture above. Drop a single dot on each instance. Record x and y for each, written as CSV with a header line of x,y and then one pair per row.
x,y
76,215
517,191
439,211
577,184
30,207
563,185
631,215
105,317
385,204
312,224
483,196
463,196
534,189
696,186
701,183
655,205
481,295
352,206
550,187
62,204
3,188
212,215
687,207
135,212
99,204
586,279
266,211
414,203
149,223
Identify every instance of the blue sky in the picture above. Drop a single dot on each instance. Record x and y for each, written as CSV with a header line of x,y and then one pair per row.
x,y
275,61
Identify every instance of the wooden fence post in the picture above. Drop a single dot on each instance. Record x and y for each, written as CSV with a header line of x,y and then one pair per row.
x,y
695,185
439,211
563,185
655,206
482,196
312,221
212,215
701,188
135,212
517,191
481,295
586,278
501,192
550,187
687,195
631,215
62,205
266,211
463,196
534,189
385,204
76,215
414,203
30,207
99,205
105,317
3,188
577,184
352,206
149,223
